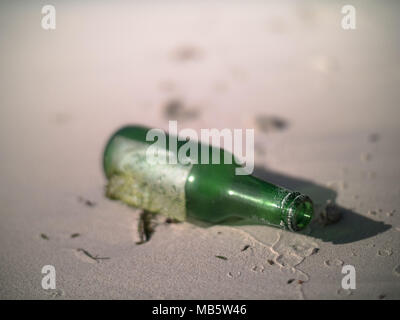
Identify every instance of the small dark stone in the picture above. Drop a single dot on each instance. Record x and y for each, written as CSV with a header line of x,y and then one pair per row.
x,y
315,251
267,123
44,236
87,202
175,109
171,220
331,214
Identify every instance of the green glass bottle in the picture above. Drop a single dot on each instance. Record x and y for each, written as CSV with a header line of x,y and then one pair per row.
x,y
210,192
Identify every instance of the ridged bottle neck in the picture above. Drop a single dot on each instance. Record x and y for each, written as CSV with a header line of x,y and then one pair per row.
x,y
271,204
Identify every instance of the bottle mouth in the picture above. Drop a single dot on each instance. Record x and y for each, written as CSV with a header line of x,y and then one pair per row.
x,y
299,212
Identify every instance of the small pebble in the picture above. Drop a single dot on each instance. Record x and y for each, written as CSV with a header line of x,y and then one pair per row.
x,y
176,109
44,236
314,251
331,214
87,202
267,124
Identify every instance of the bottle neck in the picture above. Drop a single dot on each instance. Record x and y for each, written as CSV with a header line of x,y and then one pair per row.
x,y
270,204
214,193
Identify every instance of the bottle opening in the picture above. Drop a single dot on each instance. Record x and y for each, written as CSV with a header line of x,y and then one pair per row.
x,y
300,213
304,214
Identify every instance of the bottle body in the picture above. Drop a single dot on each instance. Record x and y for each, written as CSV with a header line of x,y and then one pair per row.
x,y
211,192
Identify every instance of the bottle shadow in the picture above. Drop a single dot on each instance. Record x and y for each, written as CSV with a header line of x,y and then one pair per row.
x,y
351,227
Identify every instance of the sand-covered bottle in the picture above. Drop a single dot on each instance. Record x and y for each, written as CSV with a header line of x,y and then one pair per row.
x,y
209,191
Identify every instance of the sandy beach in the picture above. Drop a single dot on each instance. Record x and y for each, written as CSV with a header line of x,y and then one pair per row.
x,y
324,103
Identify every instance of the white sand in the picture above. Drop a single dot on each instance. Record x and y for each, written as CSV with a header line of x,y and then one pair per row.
x,y
64,92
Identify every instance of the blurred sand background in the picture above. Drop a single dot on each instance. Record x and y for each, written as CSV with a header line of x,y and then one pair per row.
x,y
324,102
